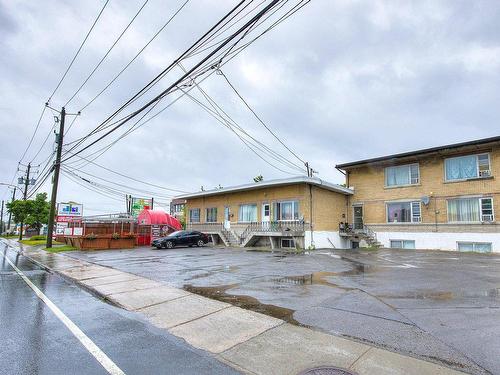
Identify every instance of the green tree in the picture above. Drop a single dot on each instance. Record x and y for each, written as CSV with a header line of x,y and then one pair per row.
x,y
34,212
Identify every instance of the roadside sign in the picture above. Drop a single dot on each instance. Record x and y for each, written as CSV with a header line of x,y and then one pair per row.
x,y
69,210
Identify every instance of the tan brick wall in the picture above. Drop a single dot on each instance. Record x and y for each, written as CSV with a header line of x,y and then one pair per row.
x,y
328,206
370,190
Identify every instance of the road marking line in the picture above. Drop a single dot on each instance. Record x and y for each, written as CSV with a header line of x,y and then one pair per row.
x,y
93,349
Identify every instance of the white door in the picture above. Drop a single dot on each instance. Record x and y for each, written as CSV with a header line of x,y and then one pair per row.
x,y
266,215
227,218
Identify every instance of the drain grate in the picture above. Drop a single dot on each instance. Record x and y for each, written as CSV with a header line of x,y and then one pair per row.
x,y
327,370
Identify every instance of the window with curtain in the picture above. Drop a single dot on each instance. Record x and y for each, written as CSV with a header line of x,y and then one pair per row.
x,y
465,167
286,210
247,213
212,215
480,247
403,212
464,210
194,215
470,209
402,175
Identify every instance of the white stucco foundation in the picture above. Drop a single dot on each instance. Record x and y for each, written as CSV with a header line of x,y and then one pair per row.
x,y
325,240
439,241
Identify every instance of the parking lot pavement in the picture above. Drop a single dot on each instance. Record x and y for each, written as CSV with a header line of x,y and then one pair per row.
x,y
434,305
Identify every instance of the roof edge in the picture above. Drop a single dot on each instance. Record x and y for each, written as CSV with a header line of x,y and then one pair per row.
x,y
419,152
277,182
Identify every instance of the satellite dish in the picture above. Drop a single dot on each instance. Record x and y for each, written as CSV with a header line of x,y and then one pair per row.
x,y
425,200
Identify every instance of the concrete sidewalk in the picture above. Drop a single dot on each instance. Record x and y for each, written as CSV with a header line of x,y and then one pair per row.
x,y
248,341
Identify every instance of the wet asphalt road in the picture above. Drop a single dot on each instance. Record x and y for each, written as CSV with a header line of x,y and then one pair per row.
x,y
440,306
34,341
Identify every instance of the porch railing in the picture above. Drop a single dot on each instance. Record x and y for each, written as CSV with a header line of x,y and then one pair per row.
x,y
284,226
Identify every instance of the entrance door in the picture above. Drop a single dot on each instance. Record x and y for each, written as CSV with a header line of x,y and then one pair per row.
x,y
358,217
266,215
227,218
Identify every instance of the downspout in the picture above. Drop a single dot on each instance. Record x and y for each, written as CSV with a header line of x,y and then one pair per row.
x,y
311,215
348,197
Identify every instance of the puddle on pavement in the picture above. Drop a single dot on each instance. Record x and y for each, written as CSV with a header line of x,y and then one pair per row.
x,y
219,293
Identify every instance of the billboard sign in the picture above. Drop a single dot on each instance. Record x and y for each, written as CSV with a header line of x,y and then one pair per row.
x,y
69,209
138,204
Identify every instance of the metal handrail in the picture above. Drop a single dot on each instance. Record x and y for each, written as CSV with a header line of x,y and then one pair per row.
x,y
280,226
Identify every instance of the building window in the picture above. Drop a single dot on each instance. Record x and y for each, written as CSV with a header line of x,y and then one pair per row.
x,y
402,175
470,210
479,247
212,215
248,213
404,212
194,215
286,210
402,244
178,207
465,167
288,243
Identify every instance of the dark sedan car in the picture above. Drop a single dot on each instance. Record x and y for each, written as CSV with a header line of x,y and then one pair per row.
x,y
181,238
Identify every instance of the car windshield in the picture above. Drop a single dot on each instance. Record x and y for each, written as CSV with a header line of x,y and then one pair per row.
x,y
174,234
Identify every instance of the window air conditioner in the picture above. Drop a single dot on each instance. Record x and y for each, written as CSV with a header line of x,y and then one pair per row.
x,y
485,173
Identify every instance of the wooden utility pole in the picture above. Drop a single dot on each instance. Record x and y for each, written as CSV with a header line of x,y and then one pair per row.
x,y
55,182
10,213
25,196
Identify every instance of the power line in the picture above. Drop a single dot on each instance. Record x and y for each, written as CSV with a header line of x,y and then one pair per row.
x,y
289,13
229,123
89,188
131,178
106,54
178,81
34,132
136,56
257,116
78,51
153,193
156,79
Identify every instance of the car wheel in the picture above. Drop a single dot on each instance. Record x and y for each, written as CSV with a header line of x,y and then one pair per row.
x,y
200,243
169,245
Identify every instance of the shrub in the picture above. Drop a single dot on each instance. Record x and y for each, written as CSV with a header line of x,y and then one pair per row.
x,y
38,238
115,236
91,236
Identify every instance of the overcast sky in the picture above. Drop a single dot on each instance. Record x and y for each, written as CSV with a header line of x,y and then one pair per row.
x,y
338,81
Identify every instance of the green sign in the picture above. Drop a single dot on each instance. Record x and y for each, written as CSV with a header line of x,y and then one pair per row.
x,y
138,204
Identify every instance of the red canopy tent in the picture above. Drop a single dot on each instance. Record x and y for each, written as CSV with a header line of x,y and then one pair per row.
x,y
154,224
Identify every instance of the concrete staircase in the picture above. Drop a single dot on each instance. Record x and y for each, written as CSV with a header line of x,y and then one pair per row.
x,y
229,238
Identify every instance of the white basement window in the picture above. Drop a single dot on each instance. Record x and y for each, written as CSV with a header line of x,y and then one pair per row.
x,y
478,247
402,244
